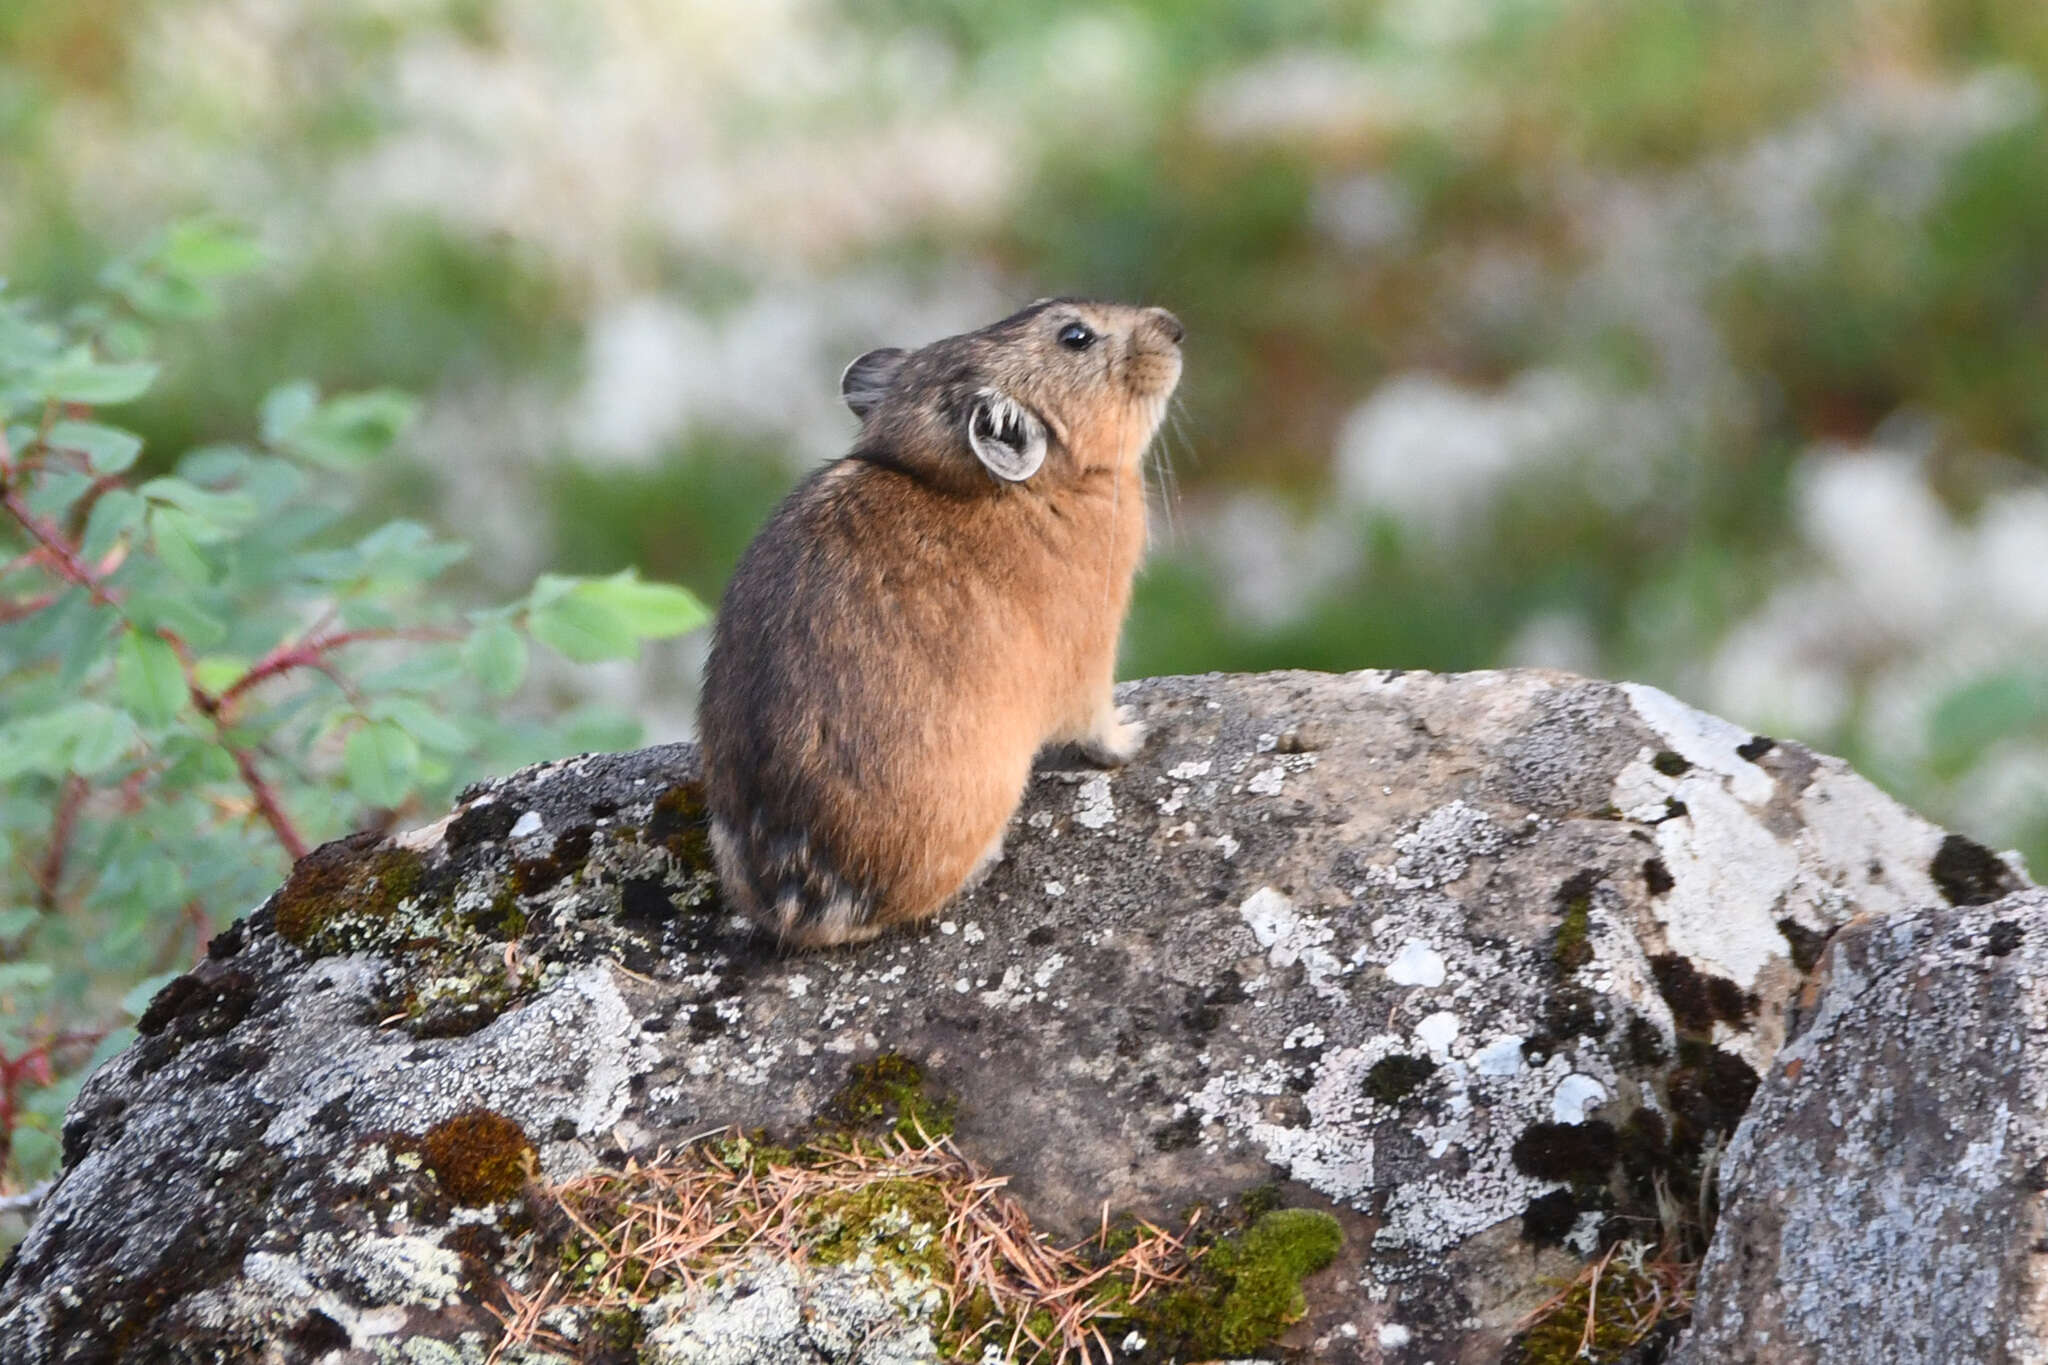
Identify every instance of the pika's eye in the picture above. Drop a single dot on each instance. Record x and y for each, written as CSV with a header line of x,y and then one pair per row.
x,y
1076,336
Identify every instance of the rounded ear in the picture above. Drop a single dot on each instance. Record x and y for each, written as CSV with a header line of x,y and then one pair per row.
x,y
1007,439
868,379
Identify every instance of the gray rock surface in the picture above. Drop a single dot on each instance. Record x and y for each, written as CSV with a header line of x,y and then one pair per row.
x,y
1883,1201
1472,961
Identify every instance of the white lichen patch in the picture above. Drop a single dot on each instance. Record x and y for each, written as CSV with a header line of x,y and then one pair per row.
x,y
1094,807
1702,740
1289,936
1575,1098
1417,964
526,826
1440,847
770,1310
1266,782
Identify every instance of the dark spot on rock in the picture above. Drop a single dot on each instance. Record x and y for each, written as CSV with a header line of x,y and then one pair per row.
x,y
1229,990
1804,944
2004,937
1571,1011
562,1130
332,1116
475,1240
644,903
1671,763
1549,1218
1697,998
1673,808
227,942
316,1334
482,823
565,859
1710,1089
1756,748
2036,1177
603,806
1393,1078
1566,1151
1644,1152
705,1023
1970,874
1040,936
234,1060
479,1156
1657,877
1645,1042
83,1127
1179,1135
204,1003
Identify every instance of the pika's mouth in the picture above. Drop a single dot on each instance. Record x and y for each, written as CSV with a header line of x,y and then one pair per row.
x,y
1152,372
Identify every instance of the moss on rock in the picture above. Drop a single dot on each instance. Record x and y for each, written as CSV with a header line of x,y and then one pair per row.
x,y
479,1156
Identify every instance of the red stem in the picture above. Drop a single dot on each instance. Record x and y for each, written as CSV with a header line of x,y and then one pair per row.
x,y
311,653
62,827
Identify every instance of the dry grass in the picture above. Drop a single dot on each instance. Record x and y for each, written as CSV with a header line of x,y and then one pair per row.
x,y
682,1220
1614,1304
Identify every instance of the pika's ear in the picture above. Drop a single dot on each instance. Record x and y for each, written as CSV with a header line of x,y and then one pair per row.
x,y
868,379
1007,438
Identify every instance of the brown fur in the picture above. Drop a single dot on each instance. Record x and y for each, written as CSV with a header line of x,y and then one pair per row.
x,y
909,629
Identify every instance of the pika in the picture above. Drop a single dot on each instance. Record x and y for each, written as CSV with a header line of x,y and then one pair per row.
x,y
920,617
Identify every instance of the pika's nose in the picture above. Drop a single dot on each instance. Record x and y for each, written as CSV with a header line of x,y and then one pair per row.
x,y
1168,324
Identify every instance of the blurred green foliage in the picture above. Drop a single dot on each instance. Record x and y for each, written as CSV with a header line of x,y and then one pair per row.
x,y
202,672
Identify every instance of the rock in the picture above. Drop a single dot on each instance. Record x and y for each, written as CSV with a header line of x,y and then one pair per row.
x,y
1477,964
1883,1200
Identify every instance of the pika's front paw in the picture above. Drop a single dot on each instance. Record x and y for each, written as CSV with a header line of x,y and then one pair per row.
x,y
1118,743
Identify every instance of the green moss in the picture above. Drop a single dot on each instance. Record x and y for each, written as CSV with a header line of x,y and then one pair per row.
x,y
891,1089
892,1221
1245,1292
340,891
479,1156
1671,764
1627,1313
681,825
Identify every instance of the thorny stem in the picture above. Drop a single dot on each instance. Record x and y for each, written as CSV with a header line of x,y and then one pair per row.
x,y
312,653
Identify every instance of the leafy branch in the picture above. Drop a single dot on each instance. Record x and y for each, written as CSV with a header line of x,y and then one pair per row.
x,y
201,676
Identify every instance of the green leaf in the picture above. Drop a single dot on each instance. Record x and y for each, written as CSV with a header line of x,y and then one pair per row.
x,y
285,409
101,737
78,378
17,920
176,612
24,976
423,723
214,515
149,678
346,431
583,629
177,545
652,611
109,449
206,250
380,760
497,656
115,514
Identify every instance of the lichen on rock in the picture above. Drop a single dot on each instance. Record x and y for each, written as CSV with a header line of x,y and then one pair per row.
x,y
1478,968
